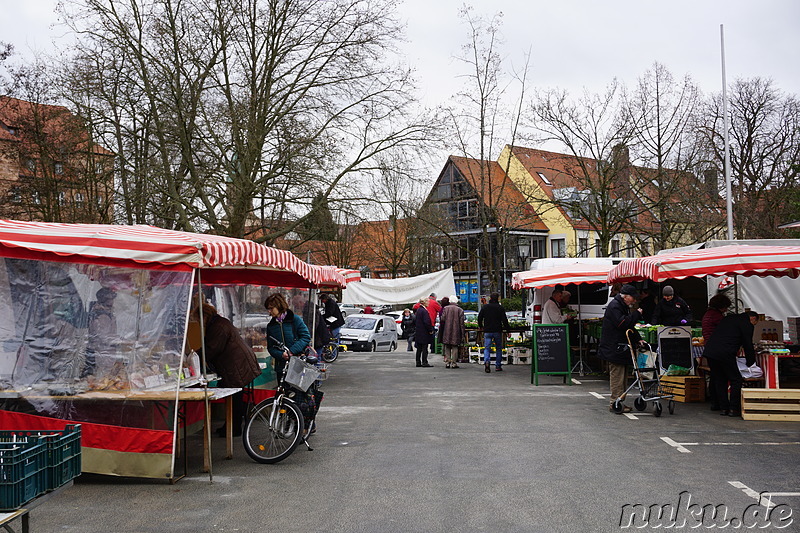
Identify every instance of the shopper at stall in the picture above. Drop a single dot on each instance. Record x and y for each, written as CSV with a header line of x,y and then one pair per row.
x,y
230,357
409,325
423,333
718,305
452,332
733,332
671,310
551,311
493,320
647,303
285,328
102,329
332,315
613,345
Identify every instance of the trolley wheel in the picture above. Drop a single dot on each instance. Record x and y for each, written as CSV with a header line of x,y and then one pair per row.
x,y
657,409
640,404
671,407
618,406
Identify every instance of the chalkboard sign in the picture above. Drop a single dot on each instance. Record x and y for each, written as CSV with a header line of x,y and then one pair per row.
x,y
675,347
551,351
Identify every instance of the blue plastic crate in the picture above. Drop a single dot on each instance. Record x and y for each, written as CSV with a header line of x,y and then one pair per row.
x,y
23,472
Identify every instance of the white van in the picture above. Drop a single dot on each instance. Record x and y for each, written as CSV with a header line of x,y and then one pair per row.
x,y
593,297
369,332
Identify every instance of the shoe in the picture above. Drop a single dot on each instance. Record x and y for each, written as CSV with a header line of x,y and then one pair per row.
x,y
426,365
724,412
447,365
736,414
419,366
498,369
488,368
455,366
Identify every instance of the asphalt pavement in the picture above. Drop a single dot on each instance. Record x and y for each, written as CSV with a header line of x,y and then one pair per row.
x,y
406,449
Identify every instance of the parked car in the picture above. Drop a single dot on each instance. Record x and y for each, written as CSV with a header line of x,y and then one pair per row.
x,y
398,320
369,332
349,309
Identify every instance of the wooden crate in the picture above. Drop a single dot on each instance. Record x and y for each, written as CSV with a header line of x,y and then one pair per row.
x,y
685,388
780,405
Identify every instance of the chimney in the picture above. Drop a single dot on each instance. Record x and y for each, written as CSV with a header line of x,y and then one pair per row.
x,y
711,183
621,166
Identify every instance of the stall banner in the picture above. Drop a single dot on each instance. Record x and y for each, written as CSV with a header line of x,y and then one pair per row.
x,y
401,290
111,450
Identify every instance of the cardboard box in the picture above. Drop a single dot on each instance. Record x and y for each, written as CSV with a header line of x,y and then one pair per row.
x,y
768,325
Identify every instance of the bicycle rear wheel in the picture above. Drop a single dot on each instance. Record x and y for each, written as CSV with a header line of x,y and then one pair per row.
x,y
270,443
330,353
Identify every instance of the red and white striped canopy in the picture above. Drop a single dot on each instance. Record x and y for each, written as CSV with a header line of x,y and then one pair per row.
x,y
742,259
564,275
350,275
222,259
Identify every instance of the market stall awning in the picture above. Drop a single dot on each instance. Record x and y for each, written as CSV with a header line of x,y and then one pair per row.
x,y
737,259
222,259
564,275
350,275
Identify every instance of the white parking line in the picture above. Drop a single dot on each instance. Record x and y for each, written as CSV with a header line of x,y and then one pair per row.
x,y
675,445
753,494
575,381
596,395
632,417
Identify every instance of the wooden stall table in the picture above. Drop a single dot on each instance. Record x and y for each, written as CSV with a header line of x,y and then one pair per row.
x,y
769,363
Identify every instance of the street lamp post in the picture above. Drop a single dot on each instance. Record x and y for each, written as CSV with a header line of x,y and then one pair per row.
x,y
524,250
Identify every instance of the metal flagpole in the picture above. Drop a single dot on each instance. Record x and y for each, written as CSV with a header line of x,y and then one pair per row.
x,y
727,125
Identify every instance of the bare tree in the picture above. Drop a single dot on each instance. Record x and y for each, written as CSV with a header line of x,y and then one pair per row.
x,y
244,112
663,115
764,151
595,134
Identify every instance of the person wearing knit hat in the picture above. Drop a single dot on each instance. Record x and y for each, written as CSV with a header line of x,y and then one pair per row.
x,y
613,345
671,310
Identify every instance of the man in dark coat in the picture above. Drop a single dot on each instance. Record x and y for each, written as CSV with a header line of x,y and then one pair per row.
x,y
332,316
732,333
671,310
613,345
493,321
423,334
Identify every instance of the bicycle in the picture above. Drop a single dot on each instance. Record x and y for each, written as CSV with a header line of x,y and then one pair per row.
x,y
276,426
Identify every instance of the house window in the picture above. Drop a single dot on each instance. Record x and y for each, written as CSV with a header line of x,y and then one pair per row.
x,y
463,250
78,199
62,198
37,200
544,178
15,196
58,168
615,248
558,248
629,250
583,247
598,252
30,164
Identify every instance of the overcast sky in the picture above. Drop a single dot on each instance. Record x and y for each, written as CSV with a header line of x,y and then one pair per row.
x,y
574,43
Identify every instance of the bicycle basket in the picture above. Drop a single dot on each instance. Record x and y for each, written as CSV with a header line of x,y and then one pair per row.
x,y
300,374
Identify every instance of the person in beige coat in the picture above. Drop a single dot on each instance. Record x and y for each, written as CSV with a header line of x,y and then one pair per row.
x,y
451,332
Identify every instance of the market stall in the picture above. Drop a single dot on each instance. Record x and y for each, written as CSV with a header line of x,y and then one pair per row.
x,y
93,323
732,260
577,274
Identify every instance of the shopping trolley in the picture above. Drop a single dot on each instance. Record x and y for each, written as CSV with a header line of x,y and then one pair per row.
x,y
647,381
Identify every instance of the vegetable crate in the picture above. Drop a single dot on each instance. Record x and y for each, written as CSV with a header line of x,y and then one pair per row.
x,y
686,389
23,472
63,452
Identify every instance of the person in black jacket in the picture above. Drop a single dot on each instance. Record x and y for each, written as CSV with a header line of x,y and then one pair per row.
x,y
732,333
423,333
613,345
493,320
409,325
332,316
671,310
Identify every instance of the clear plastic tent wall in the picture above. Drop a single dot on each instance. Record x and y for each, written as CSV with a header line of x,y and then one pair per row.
x,y
78,341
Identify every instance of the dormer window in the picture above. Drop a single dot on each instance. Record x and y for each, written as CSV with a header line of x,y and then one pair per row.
x,y
544,178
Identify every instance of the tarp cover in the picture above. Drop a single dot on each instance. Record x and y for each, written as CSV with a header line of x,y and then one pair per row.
x,y
401,290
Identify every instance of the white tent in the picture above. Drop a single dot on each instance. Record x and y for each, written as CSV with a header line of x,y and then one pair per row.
x,y
401,290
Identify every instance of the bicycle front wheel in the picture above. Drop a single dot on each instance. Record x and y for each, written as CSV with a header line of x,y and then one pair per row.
x,y
273,431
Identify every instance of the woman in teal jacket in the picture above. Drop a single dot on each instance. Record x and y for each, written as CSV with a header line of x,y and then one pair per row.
x,y
287,328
